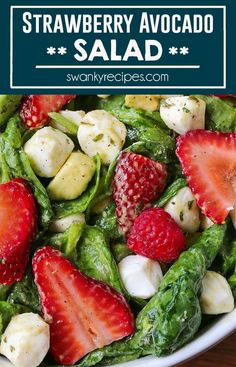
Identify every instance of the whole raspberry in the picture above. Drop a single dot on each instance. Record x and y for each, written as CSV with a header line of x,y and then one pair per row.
x,y
156,235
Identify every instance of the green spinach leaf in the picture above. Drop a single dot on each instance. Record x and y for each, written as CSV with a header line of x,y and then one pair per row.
x,y
173,315
95,259
220,115
120,251
7,311
70,126
107,221
170,192
155,143
8,106
25,293
66,241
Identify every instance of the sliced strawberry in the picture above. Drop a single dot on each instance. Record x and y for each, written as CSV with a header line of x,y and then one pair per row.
x,y
84,314
156,235
34,109
18,218
208,160
137,182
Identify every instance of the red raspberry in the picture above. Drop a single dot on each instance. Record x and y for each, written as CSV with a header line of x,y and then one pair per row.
x,y
157,236
137,182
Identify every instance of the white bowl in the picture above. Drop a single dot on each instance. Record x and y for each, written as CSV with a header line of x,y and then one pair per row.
x,y
208,337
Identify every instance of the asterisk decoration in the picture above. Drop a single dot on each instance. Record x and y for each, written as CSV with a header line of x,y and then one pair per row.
x,y
51,50
173,50
62,51
184,51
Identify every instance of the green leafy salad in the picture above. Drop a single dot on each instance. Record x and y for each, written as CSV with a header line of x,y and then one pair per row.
x,y
117,225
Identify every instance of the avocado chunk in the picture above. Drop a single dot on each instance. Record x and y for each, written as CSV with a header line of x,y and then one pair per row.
x,y
73,178
8,105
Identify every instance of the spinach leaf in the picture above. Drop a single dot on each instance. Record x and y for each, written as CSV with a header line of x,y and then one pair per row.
x,y
107,221
120,251
104,192
228,269
5,172
220,114
126,357
147,133
25,293
70,126
66,241
131,116
155,143
232,283
4,291
95,259
228,254
7,311
8,105
18,165
173,315
114,353
65,208
170,192
39,190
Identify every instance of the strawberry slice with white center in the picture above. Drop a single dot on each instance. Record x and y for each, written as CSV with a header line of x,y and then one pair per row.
x,y
84,314
208,160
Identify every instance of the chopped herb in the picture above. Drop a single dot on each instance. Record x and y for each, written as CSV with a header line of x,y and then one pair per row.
x,y
98,137
86,123
12,349
186,110
190,204
181,215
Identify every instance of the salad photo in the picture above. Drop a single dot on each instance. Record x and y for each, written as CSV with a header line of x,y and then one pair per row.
x,y
117,225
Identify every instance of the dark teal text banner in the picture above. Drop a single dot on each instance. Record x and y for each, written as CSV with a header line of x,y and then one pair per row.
x,y
112,47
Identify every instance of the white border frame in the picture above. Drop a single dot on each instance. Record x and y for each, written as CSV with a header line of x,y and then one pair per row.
x,y
223,7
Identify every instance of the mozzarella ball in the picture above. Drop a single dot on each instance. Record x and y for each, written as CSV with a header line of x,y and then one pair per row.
x,y
104,96
141,276
47,150
184,210
73,178
62,224
5,362
101,133
183,114
216,297
74,116
25,341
